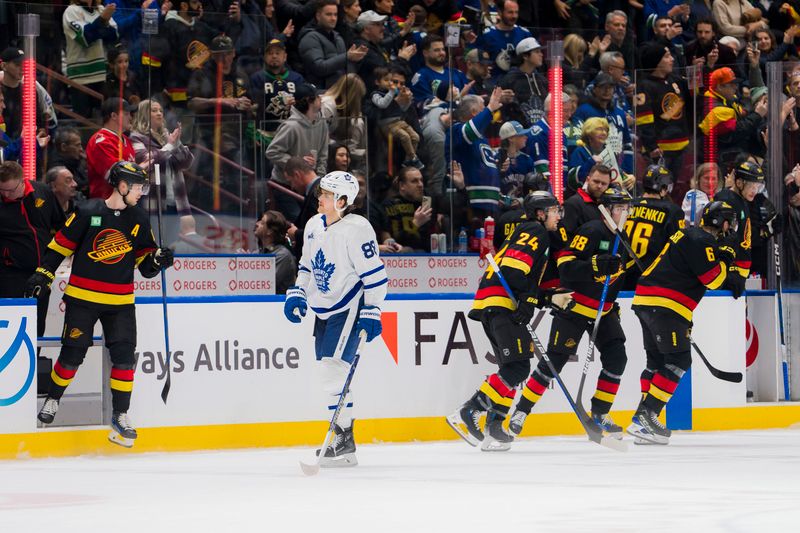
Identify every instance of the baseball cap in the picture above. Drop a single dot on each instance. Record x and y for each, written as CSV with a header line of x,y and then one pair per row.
x,y
476,55
512,128
756,93
12,54
729,40
305,90
222,43
370,16
722,76
527,44
276,42
603,78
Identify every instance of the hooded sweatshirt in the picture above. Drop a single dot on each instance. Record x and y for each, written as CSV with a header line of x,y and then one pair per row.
x,y
298,136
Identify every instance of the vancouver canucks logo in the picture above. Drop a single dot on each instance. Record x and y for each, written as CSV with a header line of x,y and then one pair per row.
x,y
322,271
110,246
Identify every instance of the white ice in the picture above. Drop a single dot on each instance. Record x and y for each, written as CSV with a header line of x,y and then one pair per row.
x,y
746,481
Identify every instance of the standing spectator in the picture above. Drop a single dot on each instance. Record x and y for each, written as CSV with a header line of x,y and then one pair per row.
x,y
68,152
371,37
29,215
386,99
538,142
705,184
427,80
349,10
64,188
154,143
677,11
341,109
771,51
394,34
89,28
303,134
514,164
705,51
303,180
270,231
616,28
109,145
120,81
406,220
273,88
530,87
791,237
501,40
322,49
720,122
478,71
737,18
11,84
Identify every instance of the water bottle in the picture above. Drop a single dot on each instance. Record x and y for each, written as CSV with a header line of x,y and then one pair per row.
x,y
442,243
488,228
462,241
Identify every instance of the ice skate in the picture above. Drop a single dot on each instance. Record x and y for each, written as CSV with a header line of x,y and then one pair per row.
x,y
517,421
122,431
646,426
608,425
48,411
496,438
342,451
468,415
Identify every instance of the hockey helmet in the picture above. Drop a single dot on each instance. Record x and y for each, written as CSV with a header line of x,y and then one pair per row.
x,y
341,184
656,179
613,196
538,200
534,181
716,213
130,173
749,171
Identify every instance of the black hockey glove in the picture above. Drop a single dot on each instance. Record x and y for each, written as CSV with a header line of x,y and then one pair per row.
x,y
38,285
164,257
734,282
772,227
525,309
605,264
726,254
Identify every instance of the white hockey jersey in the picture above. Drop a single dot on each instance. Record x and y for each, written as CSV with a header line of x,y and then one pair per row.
x,y
340,263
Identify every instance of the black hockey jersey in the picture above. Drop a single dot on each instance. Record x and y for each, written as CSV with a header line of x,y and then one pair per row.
x,y
107,245
577,274
649,225
661,116
678,278
521,259
744,242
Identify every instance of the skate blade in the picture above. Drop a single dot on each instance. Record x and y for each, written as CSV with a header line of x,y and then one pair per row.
x,y
454,421
309,470
618,445
491,445
648,438
118,439
342,461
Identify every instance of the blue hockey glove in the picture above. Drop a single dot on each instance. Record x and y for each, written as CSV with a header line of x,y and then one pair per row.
x,y
296,305
369,321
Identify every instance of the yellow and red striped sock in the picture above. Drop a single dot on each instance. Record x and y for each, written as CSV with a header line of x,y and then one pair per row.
x,y
499,393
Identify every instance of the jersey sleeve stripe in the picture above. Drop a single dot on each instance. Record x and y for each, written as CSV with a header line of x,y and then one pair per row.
x,y
519,255
511,262
64,242
373,271
378,284
566,257
713,278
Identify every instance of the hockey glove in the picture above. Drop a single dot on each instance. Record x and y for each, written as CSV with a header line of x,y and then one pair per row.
x,y
734,282
38,285
727,254
773,226
605,264
369,321
296,305
559,299
164,257
525,309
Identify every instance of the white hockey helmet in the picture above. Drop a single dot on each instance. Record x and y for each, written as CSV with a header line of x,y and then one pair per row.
x,y
340,183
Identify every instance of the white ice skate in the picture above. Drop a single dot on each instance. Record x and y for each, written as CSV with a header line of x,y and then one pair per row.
x,y
122,431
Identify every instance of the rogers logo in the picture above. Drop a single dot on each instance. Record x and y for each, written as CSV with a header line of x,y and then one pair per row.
x,y
177,265
176,285
431,264
482,263
62,285
232,283
232,266
431,282
61,306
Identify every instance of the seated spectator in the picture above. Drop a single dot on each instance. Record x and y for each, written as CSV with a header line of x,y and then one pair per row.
x,y
404,219
11,85
338,158
388,102
705,50
324,55
538,142
530,87
791,236
273,87
121,81
68,152
64,188
109,145
189,241
270,231
303,180
613,64
304,134
501,40
514,164
341,109
577,65
154,144
478,71
593,150
434,73
705,184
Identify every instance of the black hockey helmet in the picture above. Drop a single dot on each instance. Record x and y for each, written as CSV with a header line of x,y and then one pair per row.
x,y
538,200
716,213
656,179
613,196
534,181
749,171
130,173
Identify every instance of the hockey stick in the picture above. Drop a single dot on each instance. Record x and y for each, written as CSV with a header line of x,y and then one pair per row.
x,y
168,380
313,469
784,356
733,377
593,431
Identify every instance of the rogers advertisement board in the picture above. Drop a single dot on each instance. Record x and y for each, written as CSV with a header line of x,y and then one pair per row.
x,y
434,273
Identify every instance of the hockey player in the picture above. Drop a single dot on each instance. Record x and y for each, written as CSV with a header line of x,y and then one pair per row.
x,y
522,260
694,259
581,207
748,181
343,280
107,239
652,220
583,268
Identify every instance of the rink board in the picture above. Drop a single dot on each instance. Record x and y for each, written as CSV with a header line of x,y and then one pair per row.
x,y
243,376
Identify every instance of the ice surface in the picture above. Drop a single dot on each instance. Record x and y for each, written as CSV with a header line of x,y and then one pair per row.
x,y
746,481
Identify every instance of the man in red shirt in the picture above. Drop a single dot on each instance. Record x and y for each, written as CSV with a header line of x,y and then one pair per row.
x,y
109,145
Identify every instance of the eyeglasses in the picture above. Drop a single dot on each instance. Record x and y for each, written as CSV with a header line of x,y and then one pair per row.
x,y
7,191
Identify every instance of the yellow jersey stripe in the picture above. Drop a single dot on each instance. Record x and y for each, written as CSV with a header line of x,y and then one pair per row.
x,y
99,297
515,263
660,301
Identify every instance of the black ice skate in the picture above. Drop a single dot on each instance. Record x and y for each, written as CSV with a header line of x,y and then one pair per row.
x,y
122,431
608,425
646,426
342,451
517,421
496,438
468,415
48,411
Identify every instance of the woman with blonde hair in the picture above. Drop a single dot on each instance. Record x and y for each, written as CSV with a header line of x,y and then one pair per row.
x,y
341,109
154,144
576,65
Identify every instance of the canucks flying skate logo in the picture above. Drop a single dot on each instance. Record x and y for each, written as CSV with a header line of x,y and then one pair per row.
x,y
322,271
109,247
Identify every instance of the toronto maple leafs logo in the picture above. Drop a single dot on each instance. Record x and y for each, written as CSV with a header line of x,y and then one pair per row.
x,y
322,271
